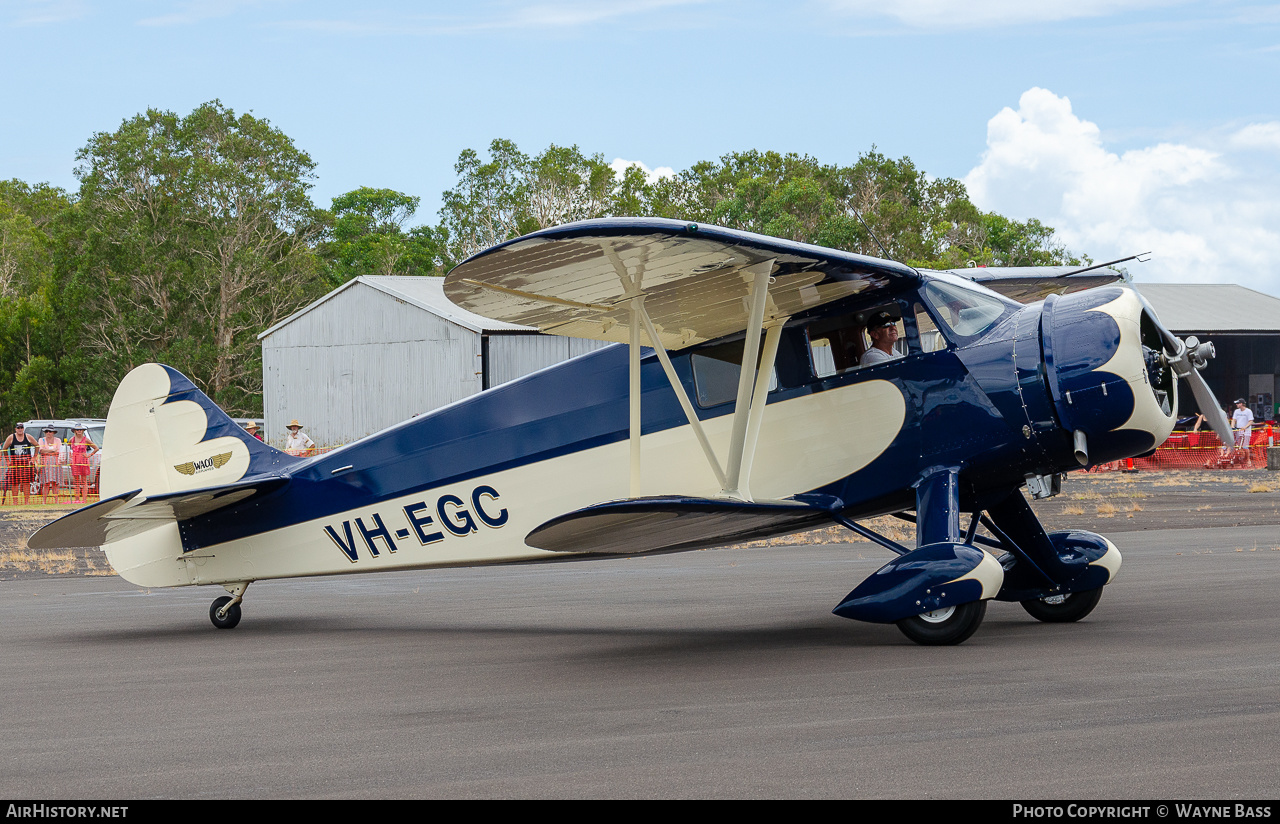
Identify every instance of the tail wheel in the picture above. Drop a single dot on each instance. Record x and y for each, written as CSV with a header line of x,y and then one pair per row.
x,y
222,616
946,626
1062,609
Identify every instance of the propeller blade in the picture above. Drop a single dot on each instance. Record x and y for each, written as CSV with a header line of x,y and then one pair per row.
x,y
1209,406
1186,359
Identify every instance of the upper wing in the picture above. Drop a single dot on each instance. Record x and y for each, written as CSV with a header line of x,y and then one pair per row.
x,y
1028,284
576,280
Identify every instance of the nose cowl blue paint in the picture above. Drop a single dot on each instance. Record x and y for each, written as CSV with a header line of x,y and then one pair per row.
x,y
1102,374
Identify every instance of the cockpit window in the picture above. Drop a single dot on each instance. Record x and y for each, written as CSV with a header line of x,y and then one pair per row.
x,y
931,339
845,342
716,371
965,313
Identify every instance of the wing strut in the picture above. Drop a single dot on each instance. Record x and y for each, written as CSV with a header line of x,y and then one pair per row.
x,y
753,382
753,379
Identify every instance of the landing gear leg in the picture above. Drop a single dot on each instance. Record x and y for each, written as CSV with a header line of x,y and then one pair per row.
x,y
937,593
1057,577
224,612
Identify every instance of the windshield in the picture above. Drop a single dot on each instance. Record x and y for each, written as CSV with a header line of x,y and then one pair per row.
x,y
964,312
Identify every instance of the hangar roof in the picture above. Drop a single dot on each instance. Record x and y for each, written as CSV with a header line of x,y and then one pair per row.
x,y
426,293
1212,307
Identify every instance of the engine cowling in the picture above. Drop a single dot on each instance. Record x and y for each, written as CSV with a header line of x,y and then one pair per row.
x,y
1109,385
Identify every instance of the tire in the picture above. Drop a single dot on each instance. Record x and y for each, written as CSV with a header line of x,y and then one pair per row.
x,y
1072,607
944,627
232,617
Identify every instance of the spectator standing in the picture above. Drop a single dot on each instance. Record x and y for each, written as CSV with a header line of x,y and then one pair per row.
x,y
298,443
82,448
19,450
50,449
1242,421
252,429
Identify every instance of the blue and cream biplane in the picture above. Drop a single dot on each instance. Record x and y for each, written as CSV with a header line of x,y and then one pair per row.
x,y
741,405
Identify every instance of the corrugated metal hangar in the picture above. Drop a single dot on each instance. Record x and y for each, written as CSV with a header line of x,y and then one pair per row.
x,y
379,350
1244,326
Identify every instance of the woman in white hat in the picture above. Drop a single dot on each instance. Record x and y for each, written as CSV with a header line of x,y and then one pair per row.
x,y
49,448
81,450
298,443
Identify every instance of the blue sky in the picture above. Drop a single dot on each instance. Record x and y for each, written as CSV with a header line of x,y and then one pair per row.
x,y
1129,125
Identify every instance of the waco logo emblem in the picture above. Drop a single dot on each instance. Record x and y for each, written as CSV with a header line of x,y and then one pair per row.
x,y
214,462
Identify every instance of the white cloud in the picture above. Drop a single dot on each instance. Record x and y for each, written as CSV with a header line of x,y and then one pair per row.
x,y
1258,136
585,12
619,167
496,16
1207,213
197,11
968,14
41,12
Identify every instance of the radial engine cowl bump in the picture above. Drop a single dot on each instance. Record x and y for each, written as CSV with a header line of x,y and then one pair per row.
x,y
1105,374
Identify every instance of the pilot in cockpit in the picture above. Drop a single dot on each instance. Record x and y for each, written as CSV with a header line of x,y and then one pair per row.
x,y
882,328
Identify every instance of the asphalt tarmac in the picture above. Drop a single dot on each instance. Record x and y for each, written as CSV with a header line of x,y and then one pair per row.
x,y
715,674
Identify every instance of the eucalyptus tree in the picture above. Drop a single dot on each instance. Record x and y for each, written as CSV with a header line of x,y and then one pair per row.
x,y
512,194
38,359
198,234
877,206
367,236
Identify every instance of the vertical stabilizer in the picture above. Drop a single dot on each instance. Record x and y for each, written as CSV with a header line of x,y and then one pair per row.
x,y
164,435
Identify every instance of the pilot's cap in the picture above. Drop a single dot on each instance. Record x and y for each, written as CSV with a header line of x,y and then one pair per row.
x,y
880,320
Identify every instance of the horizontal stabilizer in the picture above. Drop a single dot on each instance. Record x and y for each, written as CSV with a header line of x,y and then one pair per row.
x,y
183,505
117,518
84,527
668,524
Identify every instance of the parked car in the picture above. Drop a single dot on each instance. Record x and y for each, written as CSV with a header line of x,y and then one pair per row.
x,y
95,428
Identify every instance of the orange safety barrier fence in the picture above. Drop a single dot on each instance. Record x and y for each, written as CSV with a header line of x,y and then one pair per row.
x,y
1202,450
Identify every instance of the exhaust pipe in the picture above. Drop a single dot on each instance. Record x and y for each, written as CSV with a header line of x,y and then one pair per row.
x,y
1081,447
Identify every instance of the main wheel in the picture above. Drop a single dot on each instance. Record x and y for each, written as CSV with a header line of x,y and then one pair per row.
x,y
1062,609
230,619
946,626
